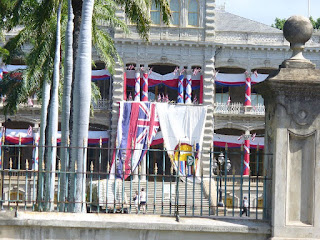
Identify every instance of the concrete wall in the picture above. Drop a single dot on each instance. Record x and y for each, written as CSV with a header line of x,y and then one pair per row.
x,y
113,227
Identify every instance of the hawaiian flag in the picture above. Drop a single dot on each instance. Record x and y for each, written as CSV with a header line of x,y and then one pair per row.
x,y
138,124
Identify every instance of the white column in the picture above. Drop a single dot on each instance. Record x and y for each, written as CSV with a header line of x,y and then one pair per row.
x,y
180,86
137,85
188,94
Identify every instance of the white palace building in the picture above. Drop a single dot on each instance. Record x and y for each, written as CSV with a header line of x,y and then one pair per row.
x,y
218,54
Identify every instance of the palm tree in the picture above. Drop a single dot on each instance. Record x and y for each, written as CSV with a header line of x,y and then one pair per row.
x,y
37,31
65,116
81,107
137,12
53,121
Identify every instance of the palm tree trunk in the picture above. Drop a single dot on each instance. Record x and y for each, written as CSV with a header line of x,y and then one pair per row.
x,y
42,141
81,104
53,122
77,11
65,118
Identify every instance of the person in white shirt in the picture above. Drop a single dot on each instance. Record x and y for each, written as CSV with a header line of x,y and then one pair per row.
x,y
245,205
143,200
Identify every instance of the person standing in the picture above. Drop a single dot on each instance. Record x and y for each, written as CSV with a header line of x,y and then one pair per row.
x,y
143,200
245,205
136,201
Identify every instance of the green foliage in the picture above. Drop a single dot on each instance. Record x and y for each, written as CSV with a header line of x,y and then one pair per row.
x,y
315,23
95,96
16,92
39,30
278,23
38,18
137,11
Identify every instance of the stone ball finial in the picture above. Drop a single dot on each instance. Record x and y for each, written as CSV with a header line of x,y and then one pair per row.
x,y
297,30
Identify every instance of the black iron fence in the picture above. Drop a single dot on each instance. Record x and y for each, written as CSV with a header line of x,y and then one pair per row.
x,y
157,186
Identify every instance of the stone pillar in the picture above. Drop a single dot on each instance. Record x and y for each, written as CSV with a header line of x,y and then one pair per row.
x,y
210,21
208,100
117,96
292,96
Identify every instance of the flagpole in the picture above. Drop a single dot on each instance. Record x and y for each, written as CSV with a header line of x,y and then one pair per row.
x,y
308,8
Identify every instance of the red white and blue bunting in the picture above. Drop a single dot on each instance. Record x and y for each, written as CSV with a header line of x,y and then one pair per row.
x,y
170,80
220,140
228,79
14,136
96,75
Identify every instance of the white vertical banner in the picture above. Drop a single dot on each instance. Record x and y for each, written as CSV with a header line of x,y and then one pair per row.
x,y
182,128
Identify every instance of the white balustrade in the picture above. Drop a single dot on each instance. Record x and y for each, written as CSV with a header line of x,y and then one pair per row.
x,y
238,108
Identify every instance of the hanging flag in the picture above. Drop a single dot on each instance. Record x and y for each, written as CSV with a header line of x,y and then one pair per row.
x,y
240,137
182,126
1,74
138,124
29,131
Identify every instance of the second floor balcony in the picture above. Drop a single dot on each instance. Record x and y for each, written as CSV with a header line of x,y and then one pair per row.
x,y
238,108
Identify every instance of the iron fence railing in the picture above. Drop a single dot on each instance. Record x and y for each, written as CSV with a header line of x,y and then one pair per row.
x,y
212,193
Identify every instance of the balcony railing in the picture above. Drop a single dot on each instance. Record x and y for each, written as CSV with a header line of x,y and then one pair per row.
x,y
238,108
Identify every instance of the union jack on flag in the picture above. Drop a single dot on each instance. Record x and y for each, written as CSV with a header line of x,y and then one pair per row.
x,y
138,124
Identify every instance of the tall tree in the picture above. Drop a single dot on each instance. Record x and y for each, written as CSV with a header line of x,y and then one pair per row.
x,y
81,104
278,23
38,19
53,120
65,111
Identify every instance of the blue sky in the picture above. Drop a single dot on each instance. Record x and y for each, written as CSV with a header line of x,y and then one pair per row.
x,y
265,11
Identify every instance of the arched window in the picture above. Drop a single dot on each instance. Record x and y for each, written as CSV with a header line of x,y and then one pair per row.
x,y
175,10
155,13
193,13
